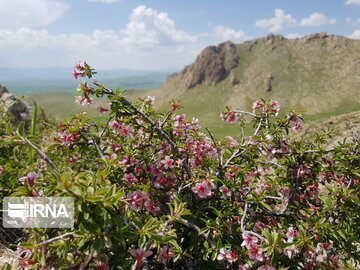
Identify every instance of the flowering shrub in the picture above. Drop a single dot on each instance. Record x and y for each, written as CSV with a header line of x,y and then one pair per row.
x,y
152,191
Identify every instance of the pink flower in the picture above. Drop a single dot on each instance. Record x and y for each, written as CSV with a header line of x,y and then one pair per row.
x,y
303,172
149,205
179,119
42,165
136,200
295,121
26,263
274,107
150,100
255,253
74,159
139,255
257,105
115,147
122,129
167,162
259,226
29,179
79,69
130,178
233,142
83,87
194,125
67,137
114,124
102,266
229,117
165,254
22,252
83,101
224,190
290,235
101,109
126,131
289,251
248,240
227,255
203,189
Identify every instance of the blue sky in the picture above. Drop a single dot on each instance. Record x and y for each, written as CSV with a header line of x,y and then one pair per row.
x,y
154,34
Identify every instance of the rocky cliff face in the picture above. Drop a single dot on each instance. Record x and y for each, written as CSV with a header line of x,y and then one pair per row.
x,y
211,66
20,109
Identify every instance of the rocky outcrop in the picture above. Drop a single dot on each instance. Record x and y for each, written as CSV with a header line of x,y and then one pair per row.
x,y
268,82
211,67
321,35
18,108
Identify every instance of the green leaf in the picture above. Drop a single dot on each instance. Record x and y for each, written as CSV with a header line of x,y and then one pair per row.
x,y
98,245
6,266
21,129
90,227
34,118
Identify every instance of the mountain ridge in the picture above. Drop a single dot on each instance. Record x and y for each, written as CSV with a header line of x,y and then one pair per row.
x,y
318,74
299,71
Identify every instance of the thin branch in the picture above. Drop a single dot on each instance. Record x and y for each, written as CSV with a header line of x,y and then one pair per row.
x,y
218,152
236,154
165,119
106,126
198,230
98,150
51,240
86,262
304,152
42,154
273,197
247,113
258,127
242,225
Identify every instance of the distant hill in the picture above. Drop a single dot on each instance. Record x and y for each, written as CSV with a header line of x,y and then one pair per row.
x,y
319,74
33,80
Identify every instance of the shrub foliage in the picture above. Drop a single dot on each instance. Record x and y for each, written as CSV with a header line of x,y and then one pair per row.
x,y
152,191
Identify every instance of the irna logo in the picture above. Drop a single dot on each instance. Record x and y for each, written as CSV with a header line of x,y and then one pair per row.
x,y
38,212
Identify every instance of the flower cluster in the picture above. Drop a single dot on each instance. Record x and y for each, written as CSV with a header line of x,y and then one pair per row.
x,y
79,70
203,189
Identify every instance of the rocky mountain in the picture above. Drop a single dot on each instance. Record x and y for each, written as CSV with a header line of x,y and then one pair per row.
x,y
18,108
211,67
319,74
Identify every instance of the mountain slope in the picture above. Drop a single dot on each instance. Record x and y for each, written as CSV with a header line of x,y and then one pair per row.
x,y
319,74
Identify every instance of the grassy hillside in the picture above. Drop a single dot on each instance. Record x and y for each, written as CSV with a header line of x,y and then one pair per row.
x,y
318,74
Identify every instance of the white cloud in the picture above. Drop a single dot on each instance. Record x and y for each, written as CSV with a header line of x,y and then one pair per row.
x,y
293,35
105,1
222,33
27,47
353,2
316,19
355,34
148,27
351,21
276,23
24,13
